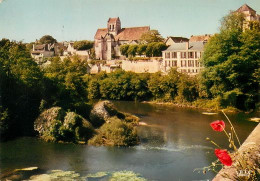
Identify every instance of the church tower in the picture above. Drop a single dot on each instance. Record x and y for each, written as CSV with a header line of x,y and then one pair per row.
x,y
114,26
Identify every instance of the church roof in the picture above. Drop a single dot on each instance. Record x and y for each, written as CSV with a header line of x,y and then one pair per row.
x,y
133,33
112,20
200,38
245,7
101,32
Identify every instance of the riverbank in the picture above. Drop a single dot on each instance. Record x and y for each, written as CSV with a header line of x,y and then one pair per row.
x,y
205,105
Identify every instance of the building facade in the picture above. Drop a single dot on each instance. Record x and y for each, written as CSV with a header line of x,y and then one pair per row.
x,y
108,40
184,56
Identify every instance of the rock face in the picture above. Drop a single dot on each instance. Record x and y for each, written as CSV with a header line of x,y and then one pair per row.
x,y
101,112
44,121
55,124
117,128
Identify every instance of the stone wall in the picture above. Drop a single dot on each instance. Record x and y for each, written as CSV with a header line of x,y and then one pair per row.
x,y
142,66
251,147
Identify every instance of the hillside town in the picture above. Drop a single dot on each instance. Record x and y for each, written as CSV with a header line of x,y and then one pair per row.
x,y
179,52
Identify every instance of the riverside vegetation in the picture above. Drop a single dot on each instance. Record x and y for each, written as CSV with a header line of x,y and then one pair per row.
x,y
230,79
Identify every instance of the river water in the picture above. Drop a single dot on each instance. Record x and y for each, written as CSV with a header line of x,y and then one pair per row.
x,y
172,145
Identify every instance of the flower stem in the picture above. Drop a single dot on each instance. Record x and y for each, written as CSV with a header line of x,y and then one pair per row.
x,y
232,127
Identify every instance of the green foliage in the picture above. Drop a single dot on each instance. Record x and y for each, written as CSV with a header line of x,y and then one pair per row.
x,y
188,89
151,36
115,133
21,87
124,50
83,45
141,49
132,49
4,123
155,49
69,128
46,39
231,61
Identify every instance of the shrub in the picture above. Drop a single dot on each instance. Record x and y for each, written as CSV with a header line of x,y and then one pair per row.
x,y
115,133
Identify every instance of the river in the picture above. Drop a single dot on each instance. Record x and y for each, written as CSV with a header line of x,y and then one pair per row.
x,y
172,145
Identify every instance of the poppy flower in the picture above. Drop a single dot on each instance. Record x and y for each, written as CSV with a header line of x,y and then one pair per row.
x,y
218,125
223,157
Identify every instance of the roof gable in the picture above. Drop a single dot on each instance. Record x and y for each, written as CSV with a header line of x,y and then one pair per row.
x,y
113,20
101,32
245,7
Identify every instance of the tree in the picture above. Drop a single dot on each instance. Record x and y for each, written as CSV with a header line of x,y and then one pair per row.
x,y
231,60
132,49
141,49
46,39
124,50
83,45
151,36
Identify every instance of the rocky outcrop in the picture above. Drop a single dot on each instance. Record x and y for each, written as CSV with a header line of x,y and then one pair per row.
x,y
117,128
101,112
44,121
55,124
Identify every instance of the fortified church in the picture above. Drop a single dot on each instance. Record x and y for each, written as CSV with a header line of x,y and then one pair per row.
x,y
108,40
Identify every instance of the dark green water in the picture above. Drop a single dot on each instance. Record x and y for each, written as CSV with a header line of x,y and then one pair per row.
x,y
172,145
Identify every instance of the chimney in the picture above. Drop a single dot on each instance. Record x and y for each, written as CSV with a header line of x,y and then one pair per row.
x,y
187,45
33,47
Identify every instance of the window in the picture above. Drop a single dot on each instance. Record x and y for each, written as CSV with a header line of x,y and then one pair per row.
x,y
167,55
113,27
175,63
183,54
174,54
195,54
188,70
190,54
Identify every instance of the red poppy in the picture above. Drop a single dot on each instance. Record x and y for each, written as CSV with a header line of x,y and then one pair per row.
x,y
218,125
223,157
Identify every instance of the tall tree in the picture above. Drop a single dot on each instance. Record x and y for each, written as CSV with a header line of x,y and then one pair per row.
x,y
231,60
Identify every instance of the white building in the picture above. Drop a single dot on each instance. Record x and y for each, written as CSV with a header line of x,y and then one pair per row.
x,y
184,56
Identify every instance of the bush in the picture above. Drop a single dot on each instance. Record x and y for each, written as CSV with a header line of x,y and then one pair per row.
x,y
115,133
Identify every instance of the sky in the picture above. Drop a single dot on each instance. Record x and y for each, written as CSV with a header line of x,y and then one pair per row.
x,y
72,20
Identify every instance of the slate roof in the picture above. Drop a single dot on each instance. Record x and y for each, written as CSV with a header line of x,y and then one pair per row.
x,y
198,46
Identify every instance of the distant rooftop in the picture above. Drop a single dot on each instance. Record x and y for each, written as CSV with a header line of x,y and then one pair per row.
x,y
199,45
245,7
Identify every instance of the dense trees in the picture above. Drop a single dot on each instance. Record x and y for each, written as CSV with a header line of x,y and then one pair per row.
x,y
231,61
20,89
153,49
83,45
